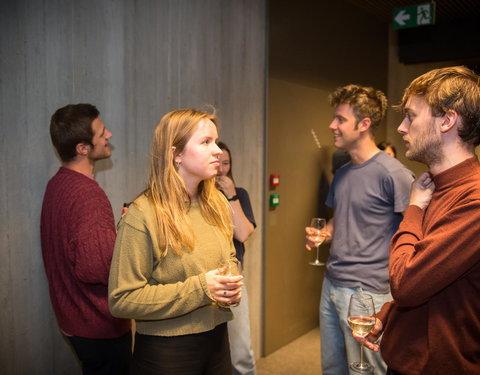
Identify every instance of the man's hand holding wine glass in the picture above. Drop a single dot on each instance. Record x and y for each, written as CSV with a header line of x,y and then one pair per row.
x,y
370,340
317,230
312,237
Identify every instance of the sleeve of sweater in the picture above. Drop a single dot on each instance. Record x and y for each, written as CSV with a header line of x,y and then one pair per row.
x,y
421,266
93,239
132,291
384,312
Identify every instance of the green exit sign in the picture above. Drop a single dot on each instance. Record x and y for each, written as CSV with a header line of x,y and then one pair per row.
x,y
414,16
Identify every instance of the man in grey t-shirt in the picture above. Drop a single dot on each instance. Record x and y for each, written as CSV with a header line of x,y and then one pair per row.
x,y
368,196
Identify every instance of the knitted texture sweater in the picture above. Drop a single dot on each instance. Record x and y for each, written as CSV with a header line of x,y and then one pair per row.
x,y
78,235
166,294
433,325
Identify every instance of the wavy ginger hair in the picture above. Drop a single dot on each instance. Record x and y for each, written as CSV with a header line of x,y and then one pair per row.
x,y
167,191
451,88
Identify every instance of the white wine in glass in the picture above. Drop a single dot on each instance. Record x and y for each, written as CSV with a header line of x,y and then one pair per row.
x,y
321,226
361,319
230,267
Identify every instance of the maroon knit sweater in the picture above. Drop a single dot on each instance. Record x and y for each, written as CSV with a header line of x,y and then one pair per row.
x,y
433,325
78,235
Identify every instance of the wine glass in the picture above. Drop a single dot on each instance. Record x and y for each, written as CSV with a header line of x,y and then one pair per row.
x,y
361,319
230,267
319,224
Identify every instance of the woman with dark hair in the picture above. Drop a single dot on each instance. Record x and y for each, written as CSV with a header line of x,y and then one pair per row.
x,y
243,360
388,148
171,243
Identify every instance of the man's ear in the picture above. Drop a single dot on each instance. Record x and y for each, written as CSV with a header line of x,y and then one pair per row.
x,y
82,149
364,124
449,119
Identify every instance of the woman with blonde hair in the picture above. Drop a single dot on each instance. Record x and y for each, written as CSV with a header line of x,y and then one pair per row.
x,y
165,271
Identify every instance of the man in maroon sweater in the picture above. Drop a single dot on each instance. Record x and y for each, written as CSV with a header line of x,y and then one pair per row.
x,y
78,235
433,324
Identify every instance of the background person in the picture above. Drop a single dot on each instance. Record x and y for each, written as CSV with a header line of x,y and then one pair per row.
x,y
78,235
243,359
388,148
368,196
170,244
433,324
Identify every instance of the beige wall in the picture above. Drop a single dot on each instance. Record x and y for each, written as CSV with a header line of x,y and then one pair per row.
x,y
292,287
314,47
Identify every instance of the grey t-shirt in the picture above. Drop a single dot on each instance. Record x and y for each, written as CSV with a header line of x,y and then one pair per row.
x,y
368,201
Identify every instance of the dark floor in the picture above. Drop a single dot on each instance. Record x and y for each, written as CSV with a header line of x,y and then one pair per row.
x,y
300,357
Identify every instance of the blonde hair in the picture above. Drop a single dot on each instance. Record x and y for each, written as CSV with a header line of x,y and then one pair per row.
x,y
167,191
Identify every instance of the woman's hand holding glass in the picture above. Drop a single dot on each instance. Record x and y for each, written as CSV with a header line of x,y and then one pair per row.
x,y
225,284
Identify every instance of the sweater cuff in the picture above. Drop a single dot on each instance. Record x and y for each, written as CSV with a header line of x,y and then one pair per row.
x,y
203,283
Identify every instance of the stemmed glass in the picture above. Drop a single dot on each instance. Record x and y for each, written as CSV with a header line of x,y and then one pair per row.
x,y
361,319
319,224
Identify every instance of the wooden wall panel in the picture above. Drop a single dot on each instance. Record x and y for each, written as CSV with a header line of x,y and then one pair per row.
x,y
309,56
135,60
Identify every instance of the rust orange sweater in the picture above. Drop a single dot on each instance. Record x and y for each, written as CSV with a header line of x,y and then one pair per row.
x,y
433,325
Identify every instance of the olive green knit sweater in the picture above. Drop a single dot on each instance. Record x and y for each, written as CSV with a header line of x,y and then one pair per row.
x,y
166,295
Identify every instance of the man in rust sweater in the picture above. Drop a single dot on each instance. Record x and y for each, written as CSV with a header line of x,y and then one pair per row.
x,y
433,324
78,235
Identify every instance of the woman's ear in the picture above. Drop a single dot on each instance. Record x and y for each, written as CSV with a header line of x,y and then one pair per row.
x,y
176,157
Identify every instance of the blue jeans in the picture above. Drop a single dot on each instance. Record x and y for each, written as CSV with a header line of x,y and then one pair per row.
x,y
338,347
243,360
